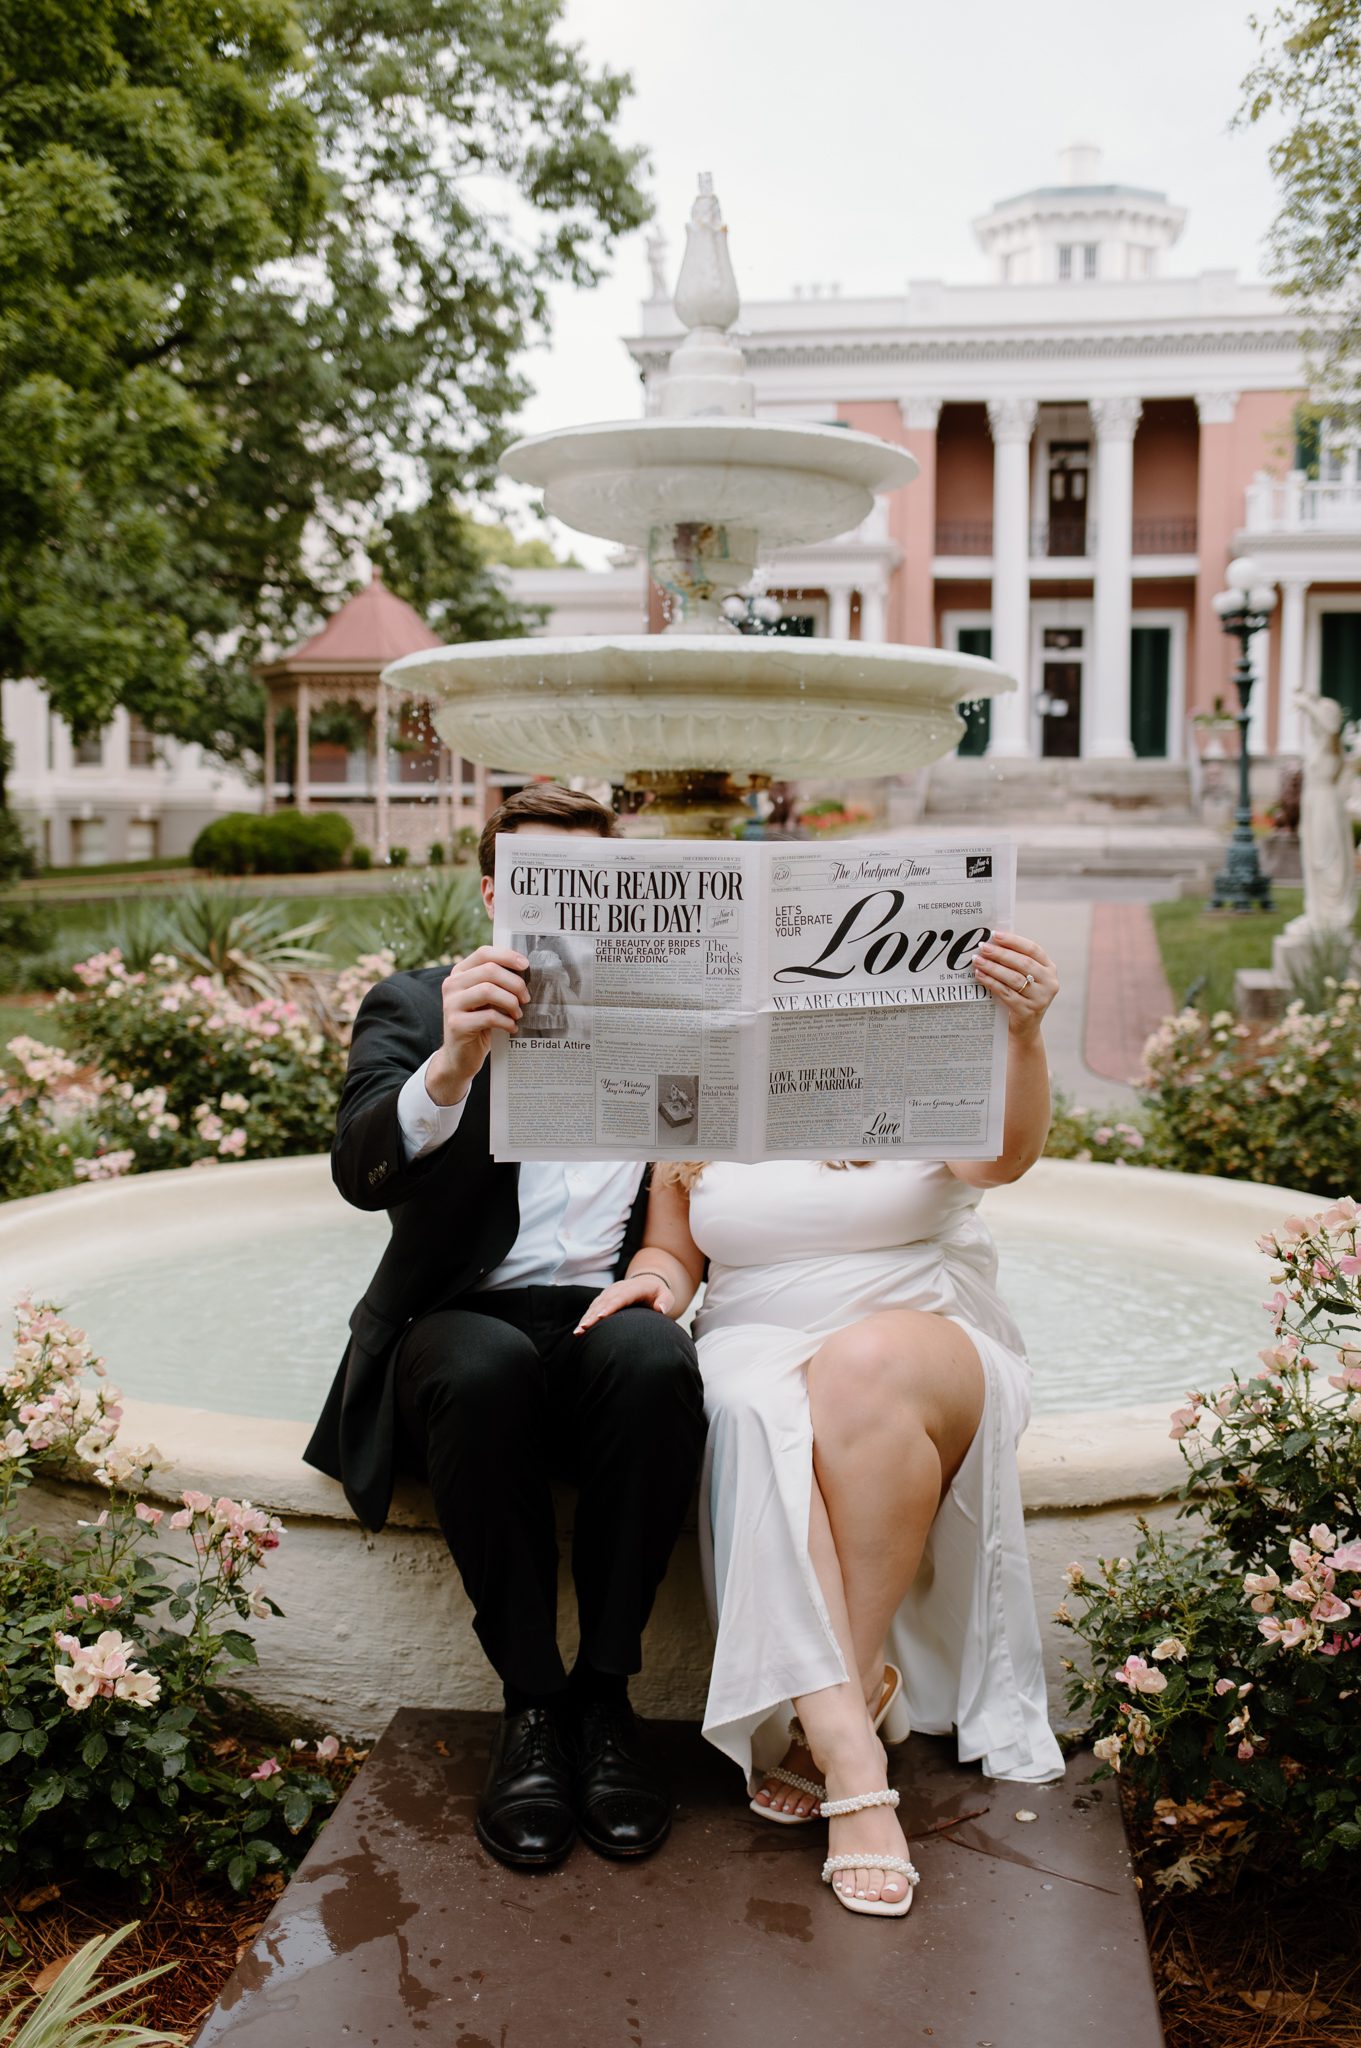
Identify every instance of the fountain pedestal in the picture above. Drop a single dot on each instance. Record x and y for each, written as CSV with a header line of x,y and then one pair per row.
x,y
699,715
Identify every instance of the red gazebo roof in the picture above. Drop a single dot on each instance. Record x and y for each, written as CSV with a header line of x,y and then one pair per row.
x,y
371,629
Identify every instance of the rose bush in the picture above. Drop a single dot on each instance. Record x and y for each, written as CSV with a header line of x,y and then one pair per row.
x,y
1281,1105
165,1069
1225,1668
113,1740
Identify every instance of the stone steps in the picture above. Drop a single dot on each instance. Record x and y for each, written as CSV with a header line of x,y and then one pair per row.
x,y
399,1929
1071,792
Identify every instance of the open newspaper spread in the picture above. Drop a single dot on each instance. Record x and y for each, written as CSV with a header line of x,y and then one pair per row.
x,y
692,999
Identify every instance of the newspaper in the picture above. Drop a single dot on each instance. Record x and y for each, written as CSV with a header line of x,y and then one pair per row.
x,y
694,999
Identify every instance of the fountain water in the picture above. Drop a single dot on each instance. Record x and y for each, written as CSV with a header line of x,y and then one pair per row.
x,y
700,714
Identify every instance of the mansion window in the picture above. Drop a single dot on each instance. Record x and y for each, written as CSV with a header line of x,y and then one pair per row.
x,y
141,744
1089,259
1065,259
89,750
1077,258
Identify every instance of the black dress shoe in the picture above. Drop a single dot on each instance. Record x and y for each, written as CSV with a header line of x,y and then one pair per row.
x,y
623,1804
525,1813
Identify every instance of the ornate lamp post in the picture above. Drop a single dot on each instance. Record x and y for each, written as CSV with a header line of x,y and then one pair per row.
x,y
1244,609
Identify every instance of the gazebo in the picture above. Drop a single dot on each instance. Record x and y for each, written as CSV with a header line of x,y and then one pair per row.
x,y
390,791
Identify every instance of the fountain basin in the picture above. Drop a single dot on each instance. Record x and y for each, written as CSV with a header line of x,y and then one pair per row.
x,y
624,478
676,701
159,1264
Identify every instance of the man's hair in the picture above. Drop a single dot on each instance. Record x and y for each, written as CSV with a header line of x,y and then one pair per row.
x,y
543,803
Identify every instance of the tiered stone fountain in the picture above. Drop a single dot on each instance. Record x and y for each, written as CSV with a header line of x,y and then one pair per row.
x,y
700,714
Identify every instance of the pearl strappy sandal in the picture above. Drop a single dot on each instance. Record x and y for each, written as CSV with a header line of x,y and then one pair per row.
x,y
890,1715
868,1859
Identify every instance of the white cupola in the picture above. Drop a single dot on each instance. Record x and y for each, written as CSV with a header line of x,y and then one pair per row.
x,y
1080,230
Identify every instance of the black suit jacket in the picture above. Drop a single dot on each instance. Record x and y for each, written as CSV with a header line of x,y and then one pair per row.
x,y
455,1215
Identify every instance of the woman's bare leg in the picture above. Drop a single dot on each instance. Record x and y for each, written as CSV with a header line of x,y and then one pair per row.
x,y
895,1402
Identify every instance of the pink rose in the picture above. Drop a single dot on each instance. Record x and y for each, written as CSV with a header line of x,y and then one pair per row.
x,y
268,1769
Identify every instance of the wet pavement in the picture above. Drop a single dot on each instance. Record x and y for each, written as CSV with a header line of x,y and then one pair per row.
x,y
399,1931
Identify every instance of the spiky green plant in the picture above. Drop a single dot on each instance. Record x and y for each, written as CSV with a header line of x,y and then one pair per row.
x,y
435,923
247,943
64,2015
138,930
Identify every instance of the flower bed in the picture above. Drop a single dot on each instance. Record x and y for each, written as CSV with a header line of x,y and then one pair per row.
x,y
167,1069
1281,1106
115,1641
1226,1667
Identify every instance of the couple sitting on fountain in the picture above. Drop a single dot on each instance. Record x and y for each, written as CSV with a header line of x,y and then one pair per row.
x,y
863,1389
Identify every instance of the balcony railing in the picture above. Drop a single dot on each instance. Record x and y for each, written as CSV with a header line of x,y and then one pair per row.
x,y
1068,539
1292,504
1164,537
964,537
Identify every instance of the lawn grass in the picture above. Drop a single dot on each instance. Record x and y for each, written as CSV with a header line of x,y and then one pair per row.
x,y
31,1020
1203,949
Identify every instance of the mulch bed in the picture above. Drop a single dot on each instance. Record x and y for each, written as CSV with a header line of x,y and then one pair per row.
x,y
1264,1964
1257,1967
190,1921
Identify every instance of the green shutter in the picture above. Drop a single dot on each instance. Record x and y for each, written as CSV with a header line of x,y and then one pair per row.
x,y
1150,668
977,714
1341,667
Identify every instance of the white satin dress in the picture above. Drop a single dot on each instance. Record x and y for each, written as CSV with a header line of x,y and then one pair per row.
x,y
798,1250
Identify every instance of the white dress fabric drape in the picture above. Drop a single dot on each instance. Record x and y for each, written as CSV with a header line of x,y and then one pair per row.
x,y
797,1251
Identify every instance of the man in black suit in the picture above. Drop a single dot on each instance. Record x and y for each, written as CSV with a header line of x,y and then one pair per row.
x,y
467,1366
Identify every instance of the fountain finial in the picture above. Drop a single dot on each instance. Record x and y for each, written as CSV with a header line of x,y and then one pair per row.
x,y
707,374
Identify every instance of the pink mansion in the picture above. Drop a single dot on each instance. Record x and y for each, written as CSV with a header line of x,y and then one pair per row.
x,y
1097,438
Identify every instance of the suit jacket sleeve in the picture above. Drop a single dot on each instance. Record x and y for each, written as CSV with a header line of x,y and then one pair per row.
x,y
395,1031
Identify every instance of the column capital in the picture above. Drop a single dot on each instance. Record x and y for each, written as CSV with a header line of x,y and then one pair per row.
x,y
1216,408
1011,419
921,414
1115,419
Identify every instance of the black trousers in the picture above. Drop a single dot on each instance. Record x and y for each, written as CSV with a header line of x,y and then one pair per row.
x,y
495,1399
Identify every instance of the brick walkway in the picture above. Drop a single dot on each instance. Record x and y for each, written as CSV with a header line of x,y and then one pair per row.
x,y
1127,991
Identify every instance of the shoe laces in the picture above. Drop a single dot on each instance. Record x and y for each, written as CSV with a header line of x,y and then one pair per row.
x,y
536,1739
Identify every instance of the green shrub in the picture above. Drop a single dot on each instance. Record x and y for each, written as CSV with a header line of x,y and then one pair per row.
x,y
1281,1105
1076,1133
361,856
1224,1668
114,1643
438,854
398,856
285,843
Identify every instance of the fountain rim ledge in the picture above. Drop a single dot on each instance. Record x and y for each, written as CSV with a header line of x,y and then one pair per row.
x,y
1069,1459
543,460
666,657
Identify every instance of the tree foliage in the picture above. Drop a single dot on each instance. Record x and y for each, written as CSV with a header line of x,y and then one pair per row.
x,y
261,261
1308,79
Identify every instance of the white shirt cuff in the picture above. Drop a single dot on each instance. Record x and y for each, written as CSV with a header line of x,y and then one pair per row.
x,y
425,1124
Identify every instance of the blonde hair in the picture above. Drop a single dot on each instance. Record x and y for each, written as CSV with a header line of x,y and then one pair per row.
x,y
685,1173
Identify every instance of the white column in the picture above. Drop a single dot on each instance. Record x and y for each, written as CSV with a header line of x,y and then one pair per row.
x,y
302,746
1294,590
1107,733
381,840
873,613
269,765
1012,421
839,614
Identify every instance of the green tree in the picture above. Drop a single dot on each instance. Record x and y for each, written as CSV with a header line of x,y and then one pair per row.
x,y
1308,80
258,260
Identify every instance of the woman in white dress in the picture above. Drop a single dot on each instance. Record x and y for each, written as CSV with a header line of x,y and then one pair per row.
x,y
865,1388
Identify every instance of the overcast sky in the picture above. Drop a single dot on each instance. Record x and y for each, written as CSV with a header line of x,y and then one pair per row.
x,y
855,140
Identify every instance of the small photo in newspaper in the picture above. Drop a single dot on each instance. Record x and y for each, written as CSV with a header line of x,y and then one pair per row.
x,y
677,1109
559,978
